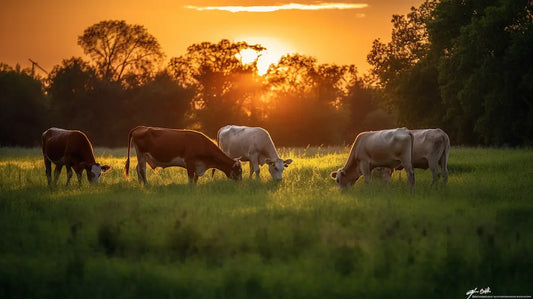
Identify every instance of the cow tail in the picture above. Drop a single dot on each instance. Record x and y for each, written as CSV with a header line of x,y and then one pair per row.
x,y
412,145
127,165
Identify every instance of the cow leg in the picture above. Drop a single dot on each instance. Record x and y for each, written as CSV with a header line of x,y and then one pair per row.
x,y
255,164
367,172
444,174
57,172
191,173
141,170
251,168
69,174
410,174
79,174
444,168
435,171
48,167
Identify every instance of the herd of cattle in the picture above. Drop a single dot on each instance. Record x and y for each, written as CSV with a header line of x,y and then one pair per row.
x,y
383,151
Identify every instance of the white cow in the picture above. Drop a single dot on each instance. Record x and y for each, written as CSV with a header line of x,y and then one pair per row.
x,y
431,149
252,144
387,148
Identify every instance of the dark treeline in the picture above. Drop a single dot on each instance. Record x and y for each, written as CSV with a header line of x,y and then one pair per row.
x,y
464,66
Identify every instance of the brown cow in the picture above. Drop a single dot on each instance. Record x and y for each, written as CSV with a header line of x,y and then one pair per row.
x,y
162,147
72,149
387,148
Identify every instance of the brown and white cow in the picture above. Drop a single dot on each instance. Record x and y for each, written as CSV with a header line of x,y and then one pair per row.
x,y
386,148
252,144
72,149
162,147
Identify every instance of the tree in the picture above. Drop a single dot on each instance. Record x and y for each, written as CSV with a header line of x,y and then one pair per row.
x,y
160,102
486,73
71,84
306,97
121,51
225,88
406,69
23,108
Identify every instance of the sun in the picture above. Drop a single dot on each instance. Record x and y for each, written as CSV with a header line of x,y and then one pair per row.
x,y
275,49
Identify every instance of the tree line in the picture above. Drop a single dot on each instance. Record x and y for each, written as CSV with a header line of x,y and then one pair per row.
x,y
464,66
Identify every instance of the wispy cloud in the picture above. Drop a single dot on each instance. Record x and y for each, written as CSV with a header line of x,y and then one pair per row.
x,y
290,6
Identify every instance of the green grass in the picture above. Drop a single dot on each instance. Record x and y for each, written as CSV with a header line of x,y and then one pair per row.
x,y
301,238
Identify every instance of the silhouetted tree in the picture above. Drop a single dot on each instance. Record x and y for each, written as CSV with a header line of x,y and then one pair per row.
x,y
225,87
71,85
160,102
305,100
23,108
122,52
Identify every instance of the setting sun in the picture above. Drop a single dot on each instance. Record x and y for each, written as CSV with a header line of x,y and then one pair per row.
x,y
275,49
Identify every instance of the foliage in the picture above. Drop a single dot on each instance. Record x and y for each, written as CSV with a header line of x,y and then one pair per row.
x,y
23,108
307,97
122,52
300,238
485,77
463,66
81,100
223,84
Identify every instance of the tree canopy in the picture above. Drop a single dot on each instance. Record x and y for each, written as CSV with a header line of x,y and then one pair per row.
x,y
463,66
121,51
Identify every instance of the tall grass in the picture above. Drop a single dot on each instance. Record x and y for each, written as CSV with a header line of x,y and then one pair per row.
x,y
300,238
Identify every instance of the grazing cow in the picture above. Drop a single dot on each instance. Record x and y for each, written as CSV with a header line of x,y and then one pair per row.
x,y
253,145
72,149
387,148
431,149
162,147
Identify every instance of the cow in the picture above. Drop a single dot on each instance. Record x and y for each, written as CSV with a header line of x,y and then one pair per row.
x,y
252,144
72,149
386,148
163,147
431,149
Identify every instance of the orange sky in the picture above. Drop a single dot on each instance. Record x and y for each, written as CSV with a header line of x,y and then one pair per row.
x,y
47,31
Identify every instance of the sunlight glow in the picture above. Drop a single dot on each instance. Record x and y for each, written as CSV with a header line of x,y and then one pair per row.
x,y
272,8
275,49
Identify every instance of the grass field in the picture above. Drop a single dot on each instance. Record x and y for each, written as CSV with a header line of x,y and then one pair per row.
x,y
301,238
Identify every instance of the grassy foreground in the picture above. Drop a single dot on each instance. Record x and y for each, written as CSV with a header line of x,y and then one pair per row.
x,y
300,238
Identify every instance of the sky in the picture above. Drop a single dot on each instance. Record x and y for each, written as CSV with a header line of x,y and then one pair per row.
x,y
333,31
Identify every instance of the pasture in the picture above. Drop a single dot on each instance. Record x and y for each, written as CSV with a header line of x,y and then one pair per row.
x,y
301,238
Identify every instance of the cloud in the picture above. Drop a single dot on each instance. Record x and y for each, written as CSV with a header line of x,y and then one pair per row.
x,y
290,6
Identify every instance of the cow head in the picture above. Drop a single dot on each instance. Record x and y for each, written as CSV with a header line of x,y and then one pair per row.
x,y
277,166
235,172
94,171
344,179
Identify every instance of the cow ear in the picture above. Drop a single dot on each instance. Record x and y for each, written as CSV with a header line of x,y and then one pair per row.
x,y
333,175
105,168
287,162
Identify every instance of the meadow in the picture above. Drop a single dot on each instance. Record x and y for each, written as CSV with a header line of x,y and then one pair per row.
x,y
300,238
